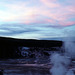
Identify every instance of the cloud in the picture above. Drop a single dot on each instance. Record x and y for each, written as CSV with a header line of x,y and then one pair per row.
x,y
52,12
64,24
50,3
16,29
34,31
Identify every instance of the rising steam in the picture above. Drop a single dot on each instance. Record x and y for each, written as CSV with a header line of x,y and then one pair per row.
x,y
61,63
69,48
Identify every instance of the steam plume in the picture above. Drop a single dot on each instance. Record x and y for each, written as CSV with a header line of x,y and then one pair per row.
x,y
61,63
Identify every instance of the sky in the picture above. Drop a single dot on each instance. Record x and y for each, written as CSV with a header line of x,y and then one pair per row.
x,y
37,19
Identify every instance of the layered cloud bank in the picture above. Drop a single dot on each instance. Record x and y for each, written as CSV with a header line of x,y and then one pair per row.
x,y
43,18
52,12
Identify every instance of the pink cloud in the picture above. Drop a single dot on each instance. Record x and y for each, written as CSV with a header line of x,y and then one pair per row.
x,y
68,23
50,3
48,12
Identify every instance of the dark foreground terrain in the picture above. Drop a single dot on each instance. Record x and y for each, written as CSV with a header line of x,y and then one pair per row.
x,y
9,46
14,59
10,51
21,67
11,68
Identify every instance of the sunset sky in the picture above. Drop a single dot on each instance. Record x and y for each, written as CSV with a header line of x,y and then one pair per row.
x,y
37,19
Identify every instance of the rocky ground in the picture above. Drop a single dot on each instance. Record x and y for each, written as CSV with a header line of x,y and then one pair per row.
x,y
24,67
